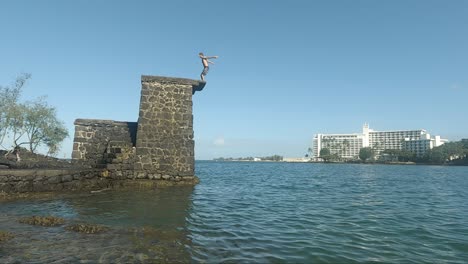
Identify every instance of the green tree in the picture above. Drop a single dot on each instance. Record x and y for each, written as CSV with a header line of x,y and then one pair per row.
x,y
10,108
273,158
401,154
16,123
346,145
435,156
366,153
32,123
406,155
464,143
42,126
325,154
310,152
446,153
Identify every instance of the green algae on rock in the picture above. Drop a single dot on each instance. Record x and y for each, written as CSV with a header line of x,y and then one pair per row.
x,y
4,236
87,228
43,220
165,246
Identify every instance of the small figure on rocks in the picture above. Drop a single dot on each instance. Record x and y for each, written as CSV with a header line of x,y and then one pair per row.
x,y
16,152
205,61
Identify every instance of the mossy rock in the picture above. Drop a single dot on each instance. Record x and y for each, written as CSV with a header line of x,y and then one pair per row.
x,y
43,220
160,233
87,228
163,245
4,236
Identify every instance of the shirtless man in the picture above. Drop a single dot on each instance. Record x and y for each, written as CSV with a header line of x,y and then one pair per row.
x,y
205,62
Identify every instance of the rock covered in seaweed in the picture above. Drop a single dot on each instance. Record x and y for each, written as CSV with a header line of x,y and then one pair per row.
x,y
42,220
87,228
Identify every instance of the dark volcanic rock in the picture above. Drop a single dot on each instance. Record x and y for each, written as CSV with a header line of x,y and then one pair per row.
x,y
34,161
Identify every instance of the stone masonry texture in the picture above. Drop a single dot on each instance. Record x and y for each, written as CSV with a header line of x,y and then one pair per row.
x,y
159,146
65,180
95,138
165,127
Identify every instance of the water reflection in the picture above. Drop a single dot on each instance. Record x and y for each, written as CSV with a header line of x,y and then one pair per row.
x,y
145,226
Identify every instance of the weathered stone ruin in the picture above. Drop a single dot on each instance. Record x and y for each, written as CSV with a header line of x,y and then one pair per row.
x,y
158,150
159,146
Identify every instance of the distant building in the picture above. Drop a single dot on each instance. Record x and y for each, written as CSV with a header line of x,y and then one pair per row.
x,y
381,140
304,159
422,145
347,146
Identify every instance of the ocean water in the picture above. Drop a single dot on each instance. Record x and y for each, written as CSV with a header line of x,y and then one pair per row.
x,y
244,212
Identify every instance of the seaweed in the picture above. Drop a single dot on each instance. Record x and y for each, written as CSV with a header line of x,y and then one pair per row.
x,y
43,220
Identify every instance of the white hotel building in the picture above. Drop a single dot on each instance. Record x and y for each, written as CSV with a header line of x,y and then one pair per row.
x,y
348,145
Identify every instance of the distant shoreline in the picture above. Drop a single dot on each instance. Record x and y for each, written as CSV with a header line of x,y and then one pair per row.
x,y
336,162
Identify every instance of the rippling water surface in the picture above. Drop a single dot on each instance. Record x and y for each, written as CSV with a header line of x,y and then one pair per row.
x,y
260,212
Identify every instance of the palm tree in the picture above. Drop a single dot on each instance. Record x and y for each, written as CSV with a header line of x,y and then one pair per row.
x,y
346,146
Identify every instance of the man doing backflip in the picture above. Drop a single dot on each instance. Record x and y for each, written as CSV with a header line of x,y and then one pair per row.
x,y
205,61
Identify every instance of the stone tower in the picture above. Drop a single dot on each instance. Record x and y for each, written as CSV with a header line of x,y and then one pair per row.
x,y
164,142
159,145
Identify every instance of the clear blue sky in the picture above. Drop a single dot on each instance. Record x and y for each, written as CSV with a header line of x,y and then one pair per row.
x,y
287,69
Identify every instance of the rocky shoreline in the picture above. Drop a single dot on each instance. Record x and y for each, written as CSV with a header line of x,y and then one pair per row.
x,y
36,173
16,183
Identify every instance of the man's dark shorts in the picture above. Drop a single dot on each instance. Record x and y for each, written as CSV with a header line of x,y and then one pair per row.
x,y
205,71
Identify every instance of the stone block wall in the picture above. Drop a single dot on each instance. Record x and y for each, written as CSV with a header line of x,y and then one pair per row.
x,y
21,181
159,146
165,142
96,141
64,180
156,151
